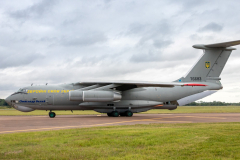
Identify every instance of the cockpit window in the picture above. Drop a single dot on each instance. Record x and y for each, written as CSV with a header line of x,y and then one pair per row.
x,y
22,90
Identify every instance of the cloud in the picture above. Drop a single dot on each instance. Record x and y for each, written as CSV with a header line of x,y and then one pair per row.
x,y
35,10
150,56
66,41
161,44
157,32
189,4
18,59
153,39
83,40
214,27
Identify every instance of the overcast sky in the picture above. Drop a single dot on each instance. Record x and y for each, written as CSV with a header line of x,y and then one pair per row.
x,y
60,41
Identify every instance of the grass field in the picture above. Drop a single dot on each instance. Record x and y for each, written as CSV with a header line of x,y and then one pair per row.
x,y
154,141
184,109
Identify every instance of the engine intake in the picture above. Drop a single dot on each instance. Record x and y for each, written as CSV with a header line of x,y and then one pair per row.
x,y
94,96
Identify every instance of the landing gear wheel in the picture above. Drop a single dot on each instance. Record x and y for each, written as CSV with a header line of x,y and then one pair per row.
x,y
129,113
109,114
115,113
52,114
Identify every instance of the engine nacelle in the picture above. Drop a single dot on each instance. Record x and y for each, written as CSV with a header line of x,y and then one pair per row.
x,y
94,96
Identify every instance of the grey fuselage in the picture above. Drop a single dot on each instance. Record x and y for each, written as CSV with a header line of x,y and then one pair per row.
x,y
56,97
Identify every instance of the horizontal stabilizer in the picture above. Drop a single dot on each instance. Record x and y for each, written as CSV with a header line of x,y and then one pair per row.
x,y
224,44
218,45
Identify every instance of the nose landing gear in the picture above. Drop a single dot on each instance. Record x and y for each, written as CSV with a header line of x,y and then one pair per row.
x,y
51,114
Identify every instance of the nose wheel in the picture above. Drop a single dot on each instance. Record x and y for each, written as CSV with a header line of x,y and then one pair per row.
x,y
51,114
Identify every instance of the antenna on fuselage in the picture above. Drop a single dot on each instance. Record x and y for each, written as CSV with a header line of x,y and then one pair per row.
x,y
31,84
46,83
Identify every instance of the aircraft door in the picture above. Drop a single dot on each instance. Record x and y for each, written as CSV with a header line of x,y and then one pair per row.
x,y
50,99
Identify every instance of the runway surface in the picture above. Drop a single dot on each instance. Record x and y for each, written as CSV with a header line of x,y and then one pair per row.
x,y
11,124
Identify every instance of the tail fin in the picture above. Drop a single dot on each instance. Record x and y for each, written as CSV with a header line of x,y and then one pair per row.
x,y
211,64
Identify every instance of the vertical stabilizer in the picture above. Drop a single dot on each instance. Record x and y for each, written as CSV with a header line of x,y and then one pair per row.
x,y
211,64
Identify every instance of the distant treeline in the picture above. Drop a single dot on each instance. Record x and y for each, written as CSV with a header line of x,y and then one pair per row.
x,y
3,103
214,103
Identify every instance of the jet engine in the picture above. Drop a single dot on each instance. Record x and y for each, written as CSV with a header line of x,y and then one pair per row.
x,y
94,96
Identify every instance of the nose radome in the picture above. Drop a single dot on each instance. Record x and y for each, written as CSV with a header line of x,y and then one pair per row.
x,y
8,100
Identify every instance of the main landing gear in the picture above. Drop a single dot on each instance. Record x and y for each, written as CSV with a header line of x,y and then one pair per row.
x,y
116,114
51,114
129,113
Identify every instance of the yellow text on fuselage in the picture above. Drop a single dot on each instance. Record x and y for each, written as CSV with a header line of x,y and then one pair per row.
x,y
48,91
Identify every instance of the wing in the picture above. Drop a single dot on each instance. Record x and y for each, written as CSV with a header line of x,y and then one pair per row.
x,y
127,85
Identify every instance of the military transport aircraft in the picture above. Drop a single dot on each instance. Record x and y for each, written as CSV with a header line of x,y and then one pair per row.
x,y
127,97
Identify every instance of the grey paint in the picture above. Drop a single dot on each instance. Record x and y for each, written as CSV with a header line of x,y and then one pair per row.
x,y
217,59
121,96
